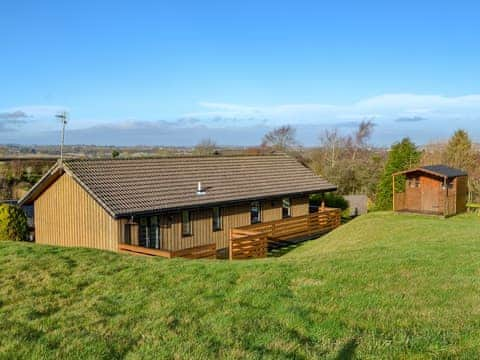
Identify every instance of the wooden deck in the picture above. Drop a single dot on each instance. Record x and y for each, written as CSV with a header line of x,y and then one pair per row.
x,y
252,241
199,252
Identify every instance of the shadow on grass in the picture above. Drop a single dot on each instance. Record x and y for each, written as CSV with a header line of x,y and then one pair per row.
x,y
282,250
348,350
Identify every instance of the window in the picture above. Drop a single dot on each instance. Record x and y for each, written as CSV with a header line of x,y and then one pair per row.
x,y
255,212
128,234
154,233
148,233
186,224
414,183
143,235
216,219
286,208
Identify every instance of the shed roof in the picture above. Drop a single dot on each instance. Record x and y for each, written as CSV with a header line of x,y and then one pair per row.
x,y
444,170
439,170
128,187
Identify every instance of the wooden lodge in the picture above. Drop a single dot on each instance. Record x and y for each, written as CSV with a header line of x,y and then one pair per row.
x,y
436,190
194,207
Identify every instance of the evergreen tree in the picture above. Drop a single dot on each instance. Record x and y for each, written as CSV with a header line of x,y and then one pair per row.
x,y
459,152
402,156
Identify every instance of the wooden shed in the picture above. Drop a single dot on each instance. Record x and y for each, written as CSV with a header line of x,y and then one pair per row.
x,y
434,189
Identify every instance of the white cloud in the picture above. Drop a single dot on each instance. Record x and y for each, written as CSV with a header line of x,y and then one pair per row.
x,y
38,111
421,117
384,109
42,116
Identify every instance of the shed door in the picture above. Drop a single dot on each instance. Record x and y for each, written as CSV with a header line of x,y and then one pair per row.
x,y
430,189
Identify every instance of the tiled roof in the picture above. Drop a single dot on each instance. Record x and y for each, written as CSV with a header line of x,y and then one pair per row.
x,y
444,170
126,187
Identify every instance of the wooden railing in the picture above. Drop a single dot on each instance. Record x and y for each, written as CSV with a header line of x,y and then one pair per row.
x,y
252,241
247,245
208,251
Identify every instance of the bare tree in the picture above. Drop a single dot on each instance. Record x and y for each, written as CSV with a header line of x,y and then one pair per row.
x,y
205,147
282,138
348,161
332,143
361,136
433,153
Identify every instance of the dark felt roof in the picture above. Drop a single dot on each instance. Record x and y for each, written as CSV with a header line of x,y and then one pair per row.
x,y
127,187
444,170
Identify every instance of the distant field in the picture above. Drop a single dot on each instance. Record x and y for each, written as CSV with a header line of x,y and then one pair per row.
x,y
382,286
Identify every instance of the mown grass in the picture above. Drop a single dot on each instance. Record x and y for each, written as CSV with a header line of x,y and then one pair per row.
x,y
382,286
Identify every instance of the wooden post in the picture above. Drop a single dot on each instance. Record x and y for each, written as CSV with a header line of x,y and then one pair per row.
x,y
230,254
393,192
445,196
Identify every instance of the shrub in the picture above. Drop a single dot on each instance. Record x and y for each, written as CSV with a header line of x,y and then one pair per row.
x,y
331,200
13,223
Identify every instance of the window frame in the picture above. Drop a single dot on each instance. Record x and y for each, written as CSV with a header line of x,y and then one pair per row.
x,y
289,208
188,223
259,212
217,225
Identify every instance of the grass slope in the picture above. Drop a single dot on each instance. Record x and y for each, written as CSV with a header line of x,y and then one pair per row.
x,y
384,285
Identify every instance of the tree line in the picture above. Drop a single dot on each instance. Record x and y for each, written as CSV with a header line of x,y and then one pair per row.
x,y
357,167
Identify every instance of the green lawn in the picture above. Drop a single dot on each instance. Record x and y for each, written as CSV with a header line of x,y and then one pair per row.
x,y
381,286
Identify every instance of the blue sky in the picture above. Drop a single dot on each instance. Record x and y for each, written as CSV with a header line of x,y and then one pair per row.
x,y
171,73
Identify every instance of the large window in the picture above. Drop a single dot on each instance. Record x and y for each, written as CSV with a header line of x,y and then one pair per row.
x,y
186,223
255,212
286,208
148,232
216,219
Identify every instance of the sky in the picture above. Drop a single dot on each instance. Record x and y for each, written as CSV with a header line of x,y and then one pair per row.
x,y
175,72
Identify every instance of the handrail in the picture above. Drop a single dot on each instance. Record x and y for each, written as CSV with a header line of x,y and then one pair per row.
x,y
197,252
249,241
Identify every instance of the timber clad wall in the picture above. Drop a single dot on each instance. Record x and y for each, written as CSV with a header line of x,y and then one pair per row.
x,y
67,215
232,216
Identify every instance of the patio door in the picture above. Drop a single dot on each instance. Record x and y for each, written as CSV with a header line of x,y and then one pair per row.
x,y
149,233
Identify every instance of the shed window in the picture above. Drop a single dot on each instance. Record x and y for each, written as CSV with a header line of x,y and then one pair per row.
x,y
414,183
286,208
255,211
186,223
149,234
216,219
